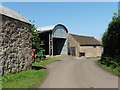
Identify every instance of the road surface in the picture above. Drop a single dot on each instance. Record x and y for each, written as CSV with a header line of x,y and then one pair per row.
x,y
78,73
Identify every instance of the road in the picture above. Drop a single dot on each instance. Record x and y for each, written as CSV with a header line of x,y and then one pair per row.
x,y
78,73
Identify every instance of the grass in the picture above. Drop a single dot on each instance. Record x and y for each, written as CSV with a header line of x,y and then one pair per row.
x,y
93,57
110,68
27,79
0,82
43,63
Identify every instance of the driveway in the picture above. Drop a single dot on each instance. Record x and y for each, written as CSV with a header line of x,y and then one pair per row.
x,y
78,73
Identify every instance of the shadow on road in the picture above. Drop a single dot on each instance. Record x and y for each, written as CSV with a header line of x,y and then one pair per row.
x,y
37,67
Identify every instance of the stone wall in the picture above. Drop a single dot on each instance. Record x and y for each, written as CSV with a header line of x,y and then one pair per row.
x,y
15,44
1,47
90,51
73,43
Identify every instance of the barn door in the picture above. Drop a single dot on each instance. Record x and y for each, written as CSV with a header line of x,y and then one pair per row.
x,y
59,46
72,51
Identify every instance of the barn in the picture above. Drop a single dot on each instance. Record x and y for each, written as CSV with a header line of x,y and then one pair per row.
x,y
55,39
83,46
15,42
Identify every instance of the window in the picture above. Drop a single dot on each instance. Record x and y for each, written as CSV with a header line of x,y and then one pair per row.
x,y
81,54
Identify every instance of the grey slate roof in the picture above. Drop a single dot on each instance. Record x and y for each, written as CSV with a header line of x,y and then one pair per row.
x,y
13,14
85,40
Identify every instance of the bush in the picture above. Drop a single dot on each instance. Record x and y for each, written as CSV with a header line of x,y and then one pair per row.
x,y
110,40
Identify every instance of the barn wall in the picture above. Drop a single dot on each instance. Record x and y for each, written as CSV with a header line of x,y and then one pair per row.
x,y
90,51
64,49
73,43
16,45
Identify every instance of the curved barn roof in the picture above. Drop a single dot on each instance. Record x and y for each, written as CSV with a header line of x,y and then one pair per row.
x,y
49,28
13,14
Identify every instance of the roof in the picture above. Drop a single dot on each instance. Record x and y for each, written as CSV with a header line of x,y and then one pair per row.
x,y
46,28
13,14
49,28
85,40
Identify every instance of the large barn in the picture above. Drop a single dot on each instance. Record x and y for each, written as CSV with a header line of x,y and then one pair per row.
x,y
59,42
55,39
83,46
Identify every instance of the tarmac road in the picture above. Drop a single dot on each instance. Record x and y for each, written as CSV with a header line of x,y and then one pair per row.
x,y
78,73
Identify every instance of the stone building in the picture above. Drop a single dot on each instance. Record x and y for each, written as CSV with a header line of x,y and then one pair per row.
x,y
83,46
15,42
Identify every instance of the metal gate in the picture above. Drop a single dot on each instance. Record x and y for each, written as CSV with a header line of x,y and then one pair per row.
x,y
72,51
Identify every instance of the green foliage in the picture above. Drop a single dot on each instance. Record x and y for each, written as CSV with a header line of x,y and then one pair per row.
x,y
27,79
111,39
24,79
119,12
111,44
36,41
41,64
93,57
111,67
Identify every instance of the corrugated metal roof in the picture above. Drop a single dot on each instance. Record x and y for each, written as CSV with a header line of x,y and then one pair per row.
x,y
46,28
49,28
85,40
13,14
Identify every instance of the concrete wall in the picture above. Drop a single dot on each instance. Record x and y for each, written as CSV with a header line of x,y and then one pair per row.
x,y
15,45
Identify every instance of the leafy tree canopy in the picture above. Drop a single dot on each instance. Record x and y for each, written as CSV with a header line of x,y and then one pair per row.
x,y
111,40
36,41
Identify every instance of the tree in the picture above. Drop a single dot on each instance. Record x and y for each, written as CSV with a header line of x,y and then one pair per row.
x,y
36,41
111,41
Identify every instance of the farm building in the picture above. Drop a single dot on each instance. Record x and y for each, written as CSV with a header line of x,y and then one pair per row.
x,y
15,42
83,46
55,39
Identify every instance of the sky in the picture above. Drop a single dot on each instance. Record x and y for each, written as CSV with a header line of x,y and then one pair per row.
x,y
81,18
59,0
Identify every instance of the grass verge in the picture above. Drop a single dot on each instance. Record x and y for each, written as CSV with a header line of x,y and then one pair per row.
x,y
110,68
93,57
27,79
0,82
